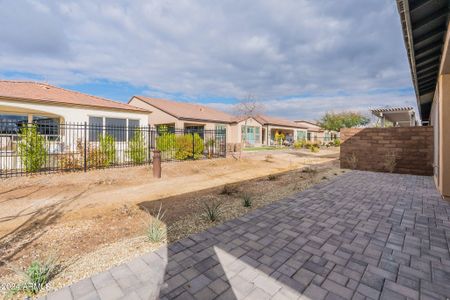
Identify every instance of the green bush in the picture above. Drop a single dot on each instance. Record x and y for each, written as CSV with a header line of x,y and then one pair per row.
x,y
314,149
137,151
181,147
156,230
35,277
108,149
32,149
212,211
299,144
166,142
247,200
337,142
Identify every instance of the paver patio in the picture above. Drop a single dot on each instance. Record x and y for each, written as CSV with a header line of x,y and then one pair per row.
x,y
362,235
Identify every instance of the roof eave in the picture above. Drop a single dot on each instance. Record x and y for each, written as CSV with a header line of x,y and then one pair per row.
x,y
49,102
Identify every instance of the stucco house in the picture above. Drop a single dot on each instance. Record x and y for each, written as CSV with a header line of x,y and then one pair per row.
x,y
271,126
260,130
316,133
24,101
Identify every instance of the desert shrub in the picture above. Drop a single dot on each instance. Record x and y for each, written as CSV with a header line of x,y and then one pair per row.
x,y
156,230
229,189
272,177
31,148
247,200
35,277
70,161
210,147
108,149
299,144
212,211
137,151
309,170
165,142
337,142
199,147
352,161
315,149
390,161
181,147
184,146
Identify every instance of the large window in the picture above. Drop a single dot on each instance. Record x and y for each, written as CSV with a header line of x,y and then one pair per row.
x,y
12,123
46,125
221,127
133,126
301,135
95,128
195,129
116,128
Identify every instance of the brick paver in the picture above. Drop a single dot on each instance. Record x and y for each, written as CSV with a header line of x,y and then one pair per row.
x,y
362,235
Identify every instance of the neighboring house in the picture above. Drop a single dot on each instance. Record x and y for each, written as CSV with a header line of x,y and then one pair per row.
x,y
260,130
316,133
271,126
22,102
427,40
60,117
171,115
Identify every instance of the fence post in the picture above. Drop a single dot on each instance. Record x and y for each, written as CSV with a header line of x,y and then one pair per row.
x,y
85,147
149,139
193,146
157,164
225,143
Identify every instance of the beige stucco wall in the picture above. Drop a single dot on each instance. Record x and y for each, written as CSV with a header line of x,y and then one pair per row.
x,y
69,114
443,119
440,120
236,132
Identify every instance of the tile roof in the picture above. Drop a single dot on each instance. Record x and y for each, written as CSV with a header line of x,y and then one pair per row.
x,y
311,126
188,111
43,92
266,120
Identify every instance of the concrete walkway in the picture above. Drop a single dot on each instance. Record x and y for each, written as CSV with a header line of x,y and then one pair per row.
x,y
363,235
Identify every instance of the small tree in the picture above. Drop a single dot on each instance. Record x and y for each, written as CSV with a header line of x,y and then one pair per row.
x,y
246,109
347,119
32,148
136,148
108,149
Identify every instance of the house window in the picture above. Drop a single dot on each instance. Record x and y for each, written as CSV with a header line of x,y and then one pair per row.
x,y
133,126
165,128
195,129
221,127
47,126
116,128
12,123
301,135
95,128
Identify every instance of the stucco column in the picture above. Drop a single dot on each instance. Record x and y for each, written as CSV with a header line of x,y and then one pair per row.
x,y
444,134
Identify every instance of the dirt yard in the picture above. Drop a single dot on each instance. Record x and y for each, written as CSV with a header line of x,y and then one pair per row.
x,y
92,221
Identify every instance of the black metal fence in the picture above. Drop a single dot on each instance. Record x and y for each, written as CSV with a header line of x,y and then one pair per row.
x,y
27,148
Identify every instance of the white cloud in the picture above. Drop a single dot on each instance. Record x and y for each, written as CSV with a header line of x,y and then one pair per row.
x,y
270,48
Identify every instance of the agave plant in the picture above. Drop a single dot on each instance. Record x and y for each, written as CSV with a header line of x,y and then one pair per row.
x,y
156,229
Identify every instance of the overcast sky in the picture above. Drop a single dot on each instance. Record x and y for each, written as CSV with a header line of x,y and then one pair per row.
x,y
300,58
